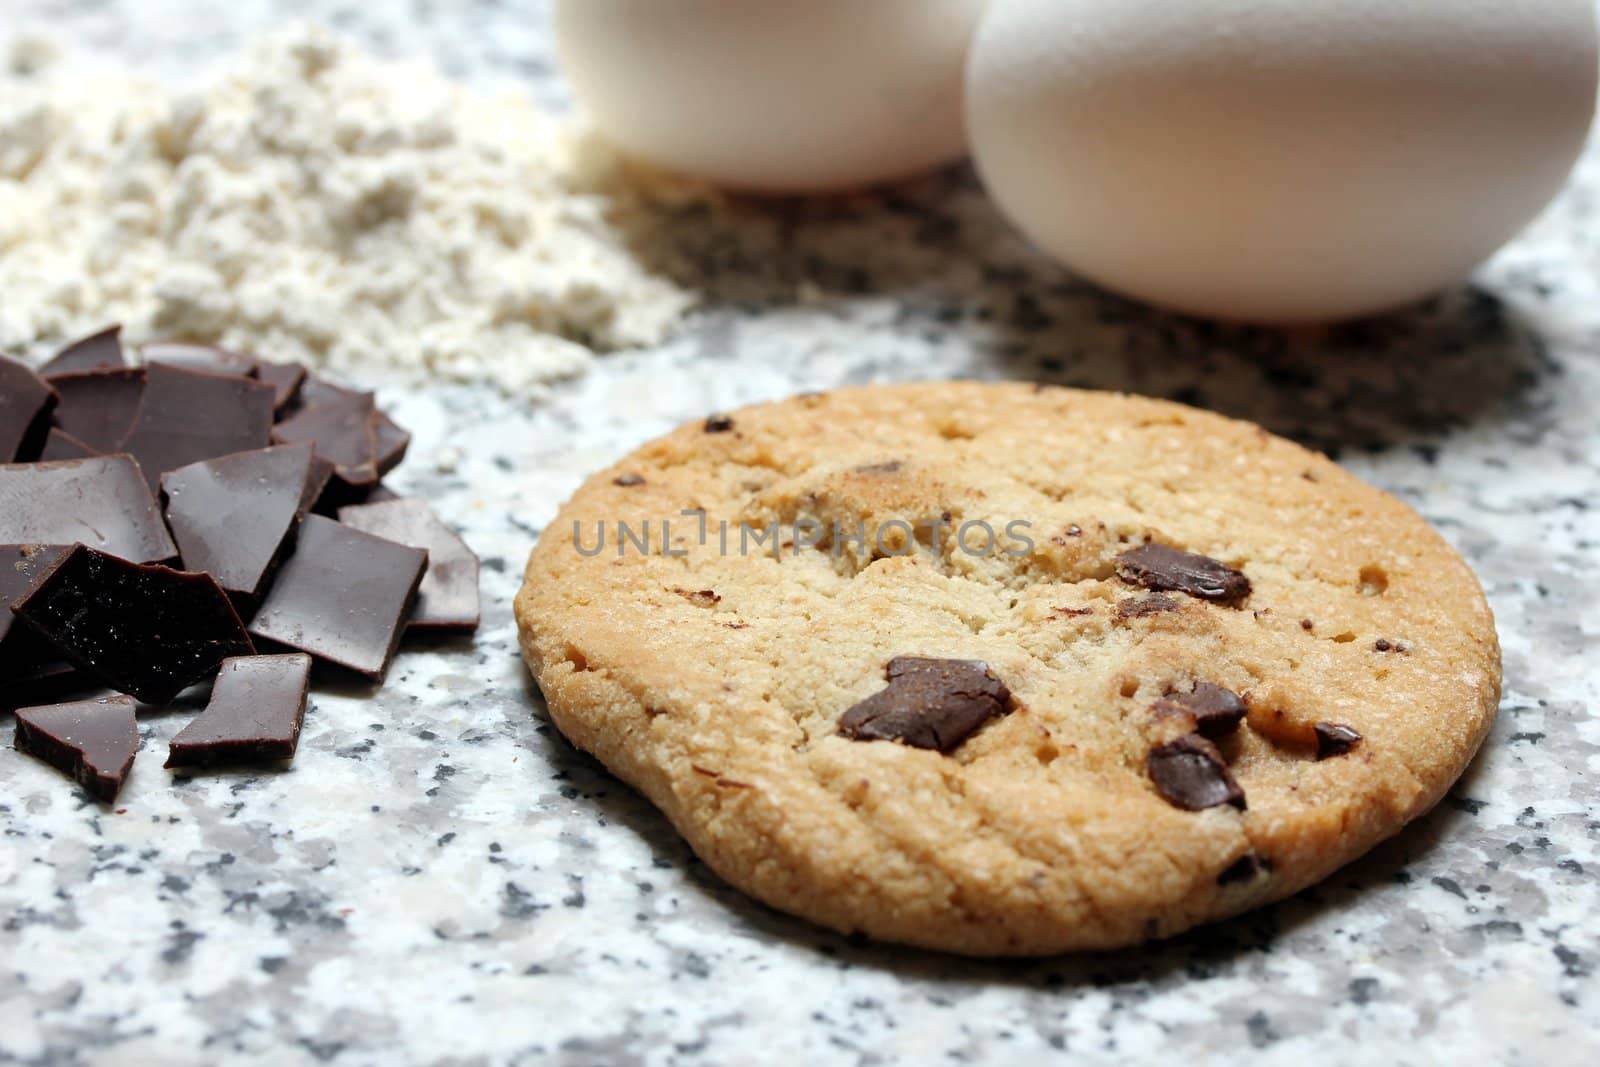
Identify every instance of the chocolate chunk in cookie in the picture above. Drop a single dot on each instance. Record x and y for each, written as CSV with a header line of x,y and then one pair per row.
x,y
1334,739
1162,567
719,424
1244,869
929,703
1137,607
1217,711
1190,773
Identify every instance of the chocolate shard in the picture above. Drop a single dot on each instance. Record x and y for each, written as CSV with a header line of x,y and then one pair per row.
x,y
93,741
60,445
316,390
1244,869
285,379
1190,773
188,416
719,424
343,596
448,597
1334,739
929,703
344,431
103,503
254,715
20,567
145,630
1137,607
98,407
1162,567
208,358
1217,711
381,494
46,679
391,443
26,401
339,493
234,517
98,351
318,483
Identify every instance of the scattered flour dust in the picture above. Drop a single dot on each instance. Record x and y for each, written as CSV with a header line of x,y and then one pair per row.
x,y
319,204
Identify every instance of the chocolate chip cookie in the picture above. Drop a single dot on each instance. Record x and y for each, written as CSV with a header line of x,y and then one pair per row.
x,y
1003,669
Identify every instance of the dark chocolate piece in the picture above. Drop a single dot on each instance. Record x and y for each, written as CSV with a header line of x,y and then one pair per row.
x,y
102,502
208,358
20,567
448,596
1217,711
317,390
929,703
1137,607
28,680
25,404
145,630
1334,739
60,445
343,596
98,407
92,741
1243,869
188,416
719,424
1163,567
27,662
629,480
254,715
1383,644
339,493
344,432
234,517
1189,773
391,443
285,379
98,351
318,483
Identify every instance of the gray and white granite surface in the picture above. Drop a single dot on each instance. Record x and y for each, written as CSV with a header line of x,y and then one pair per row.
x,y
440,878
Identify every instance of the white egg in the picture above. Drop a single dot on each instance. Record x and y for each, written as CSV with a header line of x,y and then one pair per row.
x,y
774,95
1278,160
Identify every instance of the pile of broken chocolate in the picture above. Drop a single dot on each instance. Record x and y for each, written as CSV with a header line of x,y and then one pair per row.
x,y
165,524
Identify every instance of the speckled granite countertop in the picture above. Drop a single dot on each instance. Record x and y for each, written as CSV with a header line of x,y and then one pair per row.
x,y
441,878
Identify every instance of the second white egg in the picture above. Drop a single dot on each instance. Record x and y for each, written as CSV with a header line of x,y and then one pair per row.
x,y
1278,160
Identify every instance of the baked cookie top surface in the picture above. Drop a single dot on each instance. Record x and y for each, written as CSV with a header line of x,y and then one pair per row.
x,y
1004,669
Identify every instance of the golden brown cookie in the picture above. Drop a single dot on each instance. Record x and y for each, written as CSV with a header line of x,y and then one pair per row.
x,y
1003,669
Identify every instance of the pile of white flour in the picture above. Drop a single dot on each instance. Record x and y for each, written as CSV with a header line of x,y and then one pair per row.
x,y
317,204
